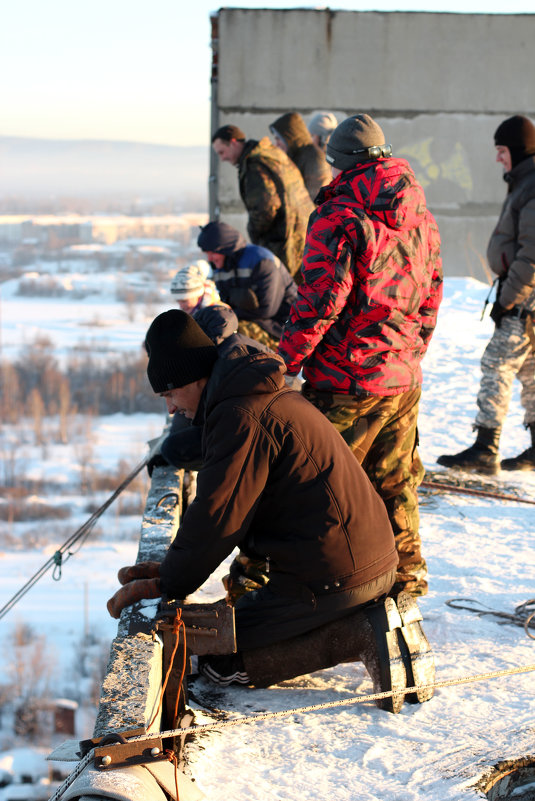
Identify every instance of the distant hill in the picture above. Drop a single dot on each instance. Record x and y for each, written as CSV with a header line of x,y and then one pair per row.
x,y
37,167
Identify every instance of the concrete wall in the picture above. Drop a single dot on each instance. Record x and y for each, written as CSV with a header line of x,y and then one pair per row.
x,y
438,84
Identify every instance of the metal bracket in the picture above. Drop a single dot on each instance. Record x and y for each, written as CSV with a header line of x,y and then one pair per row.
x,y
210,628
115,751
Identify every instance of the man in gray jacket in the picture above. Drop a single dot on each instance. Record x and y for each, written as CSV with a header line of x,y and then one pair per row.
x,y
511,351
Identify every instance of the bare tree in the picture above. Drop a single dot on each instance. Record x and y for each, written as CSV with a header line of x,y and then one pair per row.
x,y
83,450
32,663
64,411
37,410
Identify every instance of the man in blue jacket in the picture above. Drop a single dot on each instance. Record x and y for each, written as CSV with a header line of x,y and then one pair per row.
x,y
251,279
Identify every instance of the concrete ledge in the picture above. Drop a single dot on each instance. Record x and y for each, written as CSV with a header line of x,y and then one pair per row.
x,y
132,686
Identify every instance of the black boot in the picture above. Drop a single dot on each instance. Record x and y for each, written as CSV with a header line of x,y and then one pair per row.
x,y
368,635
526,459
386,637
481,457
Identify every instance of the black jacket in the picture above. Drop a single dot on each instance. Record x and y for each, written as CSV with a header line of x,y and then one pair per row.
x,y
279,482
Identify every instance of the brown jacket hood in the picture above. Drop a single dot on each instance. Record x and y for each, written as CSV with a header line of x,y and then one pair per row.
x,y
292,128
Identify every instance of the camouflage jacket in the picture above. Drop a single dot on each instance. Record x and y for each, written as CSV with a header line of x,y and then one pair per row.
x,y
276,199
511,250
372,284
303,152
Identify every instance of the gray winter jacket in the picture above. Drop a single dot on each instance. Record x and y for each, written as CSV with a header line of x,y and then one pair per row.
x,y
511,249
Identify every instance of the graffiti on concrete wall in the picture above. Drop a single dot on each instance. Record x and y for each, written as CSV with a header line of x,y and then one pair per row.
x,y
444,175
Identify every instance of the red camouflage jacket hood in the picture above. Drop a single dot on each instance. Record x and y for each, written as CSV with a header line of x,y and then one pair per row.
x,y
385,189
372,284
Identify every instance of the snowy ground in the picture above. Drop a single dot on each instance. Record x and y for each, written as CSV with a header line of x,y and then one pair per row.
x,y
95,320
476,548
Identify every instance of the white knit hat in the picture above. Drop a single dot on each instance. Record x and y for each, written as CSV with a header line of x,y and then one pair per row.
x,y
189,281
322,124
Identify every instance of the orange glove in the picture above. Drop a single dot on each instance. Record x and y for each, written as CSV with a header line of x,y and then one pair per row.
x,y
139,571
132,592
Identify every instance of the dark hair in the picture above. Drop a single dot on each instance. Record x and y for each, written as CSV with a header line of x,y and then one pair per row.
x,y
228,132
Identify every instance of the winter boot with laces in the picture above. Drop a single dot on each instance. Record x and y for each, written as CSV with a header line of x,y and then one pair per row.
x,y
481,457
526,459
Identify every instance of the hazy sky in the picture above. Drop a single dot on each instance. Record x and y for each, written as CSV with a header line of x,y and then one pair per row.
x,y
136,70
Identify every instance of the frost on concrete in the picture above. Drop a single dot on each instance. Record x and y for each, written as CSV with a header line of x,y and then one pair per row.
x,y
131,688
162,513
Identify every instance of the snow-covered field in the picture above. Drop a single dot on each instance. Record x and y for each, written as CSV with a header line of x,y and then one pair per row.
x,y
477,548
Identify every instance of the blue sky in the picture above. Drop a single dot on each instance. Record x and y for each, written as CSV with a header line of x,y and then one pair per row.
x,y
136,70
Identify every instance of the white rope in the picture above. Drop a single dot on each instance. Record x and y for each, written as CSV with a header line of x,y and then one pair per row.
x,y
224,724
360,699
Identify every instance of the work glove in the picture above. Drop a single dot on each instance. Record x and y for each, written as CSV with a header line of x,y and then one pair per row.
x,y
139,571
155,458
245,575
133,591
497,312
156,461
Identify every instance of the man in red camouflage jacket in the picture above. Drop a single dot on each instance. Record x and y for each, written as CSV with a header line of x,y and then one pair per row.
x,y
364,316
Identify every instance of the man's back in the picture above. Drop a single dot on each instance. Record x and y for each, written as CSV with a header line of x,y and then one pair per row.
x,y
291,131
372,327
268,453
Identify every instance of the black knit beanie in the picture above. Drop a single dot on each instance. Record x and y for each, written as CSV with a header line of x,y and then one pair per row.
x,y
179,351
349,138
518,134
218,237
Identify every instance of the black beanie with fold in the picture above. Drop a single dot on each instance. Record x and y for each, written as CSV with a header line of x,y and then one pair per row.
x,y
179,351
518,134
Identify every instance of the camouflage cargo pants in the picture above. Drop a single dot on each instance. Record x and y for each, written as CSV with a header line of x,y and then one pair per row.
x,y
509,354
251,329
382,433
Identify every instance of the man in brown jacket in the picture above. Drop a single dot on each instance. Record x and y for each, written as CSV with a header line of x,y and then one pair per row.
x,y
279,482
273,192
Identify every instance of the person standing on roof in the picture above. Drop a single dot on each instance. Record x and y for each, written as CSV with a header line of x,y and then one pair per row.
x,y
292,137
320,126
364,316
273,192
511,351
